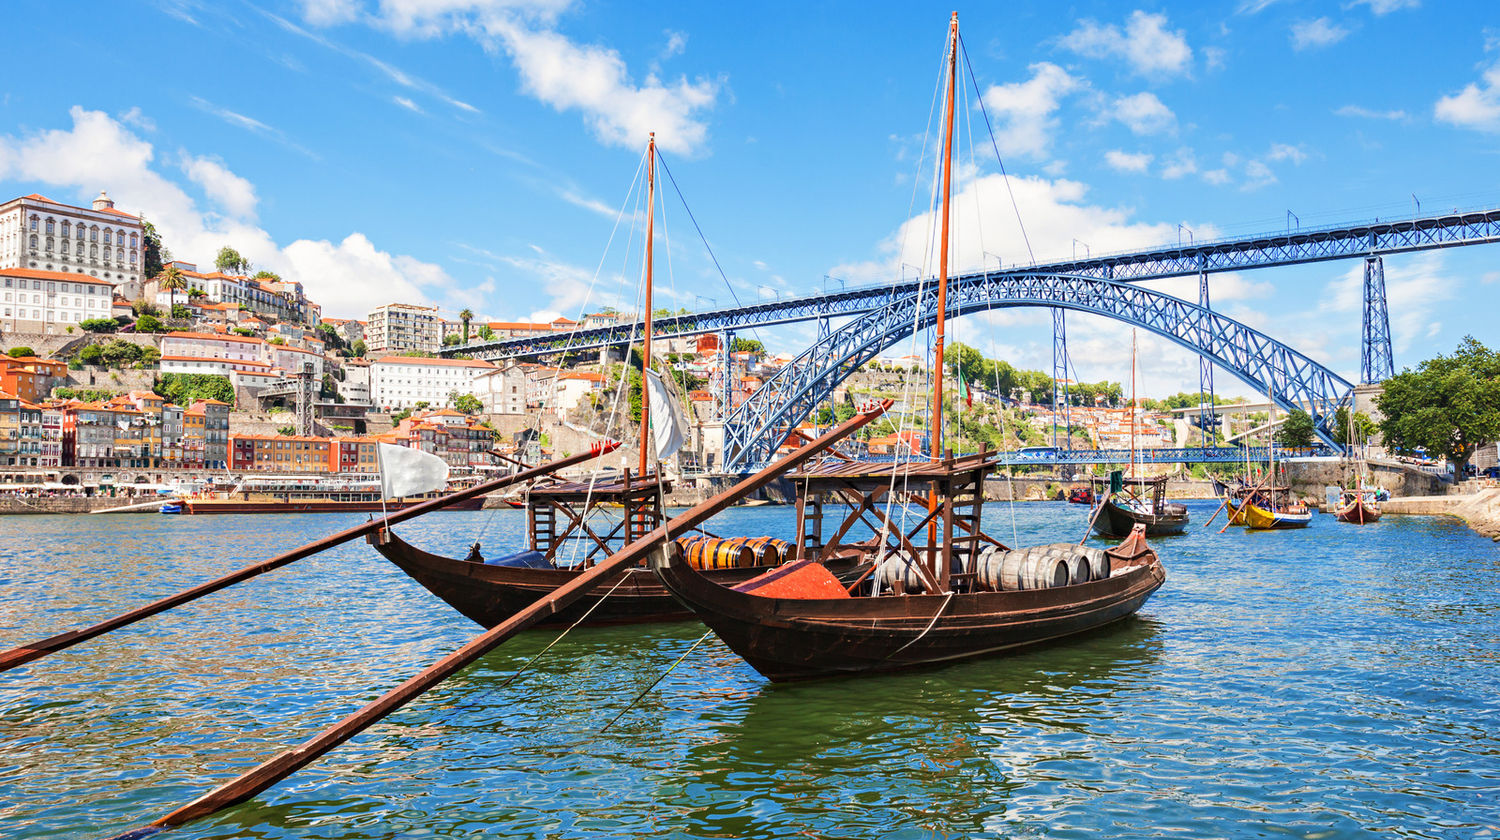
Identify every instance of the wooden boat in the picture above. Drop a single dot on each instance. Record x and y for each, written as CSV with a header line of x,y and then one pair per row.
x,y
1138,501
1357,507
1258,518
1081,495
938,589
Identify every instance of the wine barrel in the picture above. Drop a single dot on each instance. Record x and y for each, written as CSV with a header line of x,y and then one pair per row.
x,y
1032,568
899,566
712,553
765,551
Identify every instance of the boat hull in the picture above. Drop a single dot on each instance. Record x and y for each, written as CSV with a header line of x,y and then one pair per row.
x,y
1358,512
1258,518
1117,521
488,595
788,639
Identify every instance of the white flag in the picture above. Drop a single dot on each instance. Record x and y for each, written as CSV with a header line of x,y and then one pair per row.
x,y
406,472
666,417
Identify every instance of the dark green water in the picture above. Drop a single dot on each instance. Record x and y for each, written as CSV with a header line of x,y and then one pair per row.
x,y
1334,682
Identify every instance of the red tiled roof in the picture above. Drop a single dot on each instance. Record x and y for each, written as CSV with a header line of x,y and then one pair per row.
x,y
420,360
244,339
38,274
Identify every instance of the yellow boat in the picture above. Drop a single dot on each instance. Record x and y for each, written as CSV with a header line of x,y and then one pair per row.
x,y
1258,518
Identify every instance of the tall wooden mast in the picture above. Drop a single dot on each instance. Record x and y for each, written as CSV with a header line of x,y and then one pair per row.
x,y
942,296
646,439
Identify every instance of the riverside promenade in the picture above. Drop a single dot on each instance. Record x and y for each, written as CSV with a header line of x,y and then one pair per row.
x,y
1480,510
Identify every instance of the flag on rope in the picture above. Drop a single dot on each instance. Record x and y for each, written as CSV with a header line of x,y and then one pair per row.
x,y
965,393
408,472
666,417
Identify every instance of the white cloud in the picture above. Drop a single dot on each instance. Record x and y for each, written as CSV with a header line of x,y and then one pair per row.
x,y
1368,113
98,152
1122,161
1182,162
1250,7
1145,44
590,79
1385,7
1282,151
329,12
407,104
676,44
595,81
1257,175
1477,106
1144,114
1025,109
1055,213
250,124
1217,177
226,189
1319,32
135,117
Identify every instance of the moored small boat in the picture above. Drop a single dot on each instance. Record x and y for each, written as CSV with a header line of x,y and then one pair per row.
x,y
1358,508
1258,518
1133,501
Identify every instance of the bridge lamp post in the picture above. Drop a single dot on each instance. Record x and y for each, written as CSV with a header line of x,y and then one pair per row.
x,y
1086,252
1290,218
828,277
774,294
1180,228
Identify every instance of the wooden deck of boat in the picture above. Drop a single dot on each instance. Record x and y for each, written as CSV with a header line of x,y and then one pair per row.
x,y
614,488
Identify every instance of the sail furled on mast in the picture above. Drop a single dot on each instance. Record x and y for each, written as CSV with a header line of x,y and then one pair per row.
x,y
667,422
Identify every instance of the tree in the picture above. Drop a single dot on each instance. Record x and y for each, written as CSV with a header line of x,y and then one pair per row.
x,y
1297,430
155,256
91,355
486,333
1364,427
181,312
468,404
20,352
466,316
264,275
453,340
747,345
229,261
286,431
1449,405
244,331
358,348
184,388
149,324
144,307
100,325
172,279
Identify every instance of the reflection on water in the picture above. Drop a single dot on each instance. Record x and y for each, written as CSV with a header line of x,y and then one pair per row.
x,y
1332,682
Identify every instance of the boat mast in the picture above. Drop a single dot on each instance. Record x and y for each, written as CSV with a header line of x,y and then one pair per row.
x,y
936,438
646,350
1133,401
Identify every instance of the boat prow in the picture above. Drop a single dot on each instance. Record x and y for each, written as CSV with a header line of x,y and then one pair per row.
x,y
804,631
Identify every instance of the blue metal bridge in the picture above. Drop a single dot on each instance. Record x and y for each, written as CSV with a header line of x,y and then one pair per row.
x,y
1103,285
1366,240
1185,455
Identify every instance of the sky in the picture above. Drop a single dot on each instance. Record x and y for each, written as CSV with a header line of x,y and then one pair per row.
x,y
486,154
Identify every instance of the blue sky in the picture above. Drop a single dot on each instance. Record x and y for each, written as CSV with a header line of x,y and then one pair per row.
x,y
476,154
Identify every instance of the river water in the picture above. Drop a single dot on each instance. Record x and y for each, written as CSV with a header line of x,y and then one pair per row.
x,y
1334,682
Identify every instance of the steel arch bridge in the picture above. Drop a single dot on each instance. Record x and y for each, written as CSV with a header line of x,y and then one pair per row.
x,y
758,426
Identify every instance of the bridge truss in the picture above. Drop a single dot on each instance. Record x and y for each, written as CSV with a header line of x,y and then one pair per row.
x,y
759,425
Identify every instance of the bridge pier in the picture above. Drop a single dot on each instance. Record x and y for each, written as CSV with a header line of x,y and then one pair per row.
x,y
1377,363
1060,377
1206,409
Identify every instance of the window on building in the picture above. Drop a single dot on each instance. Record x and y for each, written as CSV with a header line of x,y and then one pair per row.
x,y
33,222
94,234
50,225
80,249
33,242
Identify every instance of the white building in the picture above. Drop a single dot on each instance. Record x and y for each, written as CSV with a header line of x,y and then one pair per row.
x,y
404,381
502,390
214,367
291,359
36,301
402,328
214,346
356,385
101,243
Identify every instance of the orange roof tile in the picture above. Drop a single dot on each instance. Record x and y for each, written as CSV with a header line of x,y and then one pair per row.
x,y
243,339
38,274
420,360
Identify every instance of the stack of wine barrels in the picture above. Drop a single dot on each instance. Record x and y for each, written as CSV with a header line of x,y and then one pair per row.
x,y
704,552
900,566
1040,567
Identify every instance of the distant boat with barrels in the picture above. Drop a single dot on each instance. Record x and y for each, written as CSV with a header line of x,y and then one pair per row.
x,y
1127,502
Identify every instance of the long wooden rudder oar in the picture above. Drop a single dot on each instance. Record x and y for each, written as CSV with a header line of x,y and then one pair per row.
x,y
36,650
273,771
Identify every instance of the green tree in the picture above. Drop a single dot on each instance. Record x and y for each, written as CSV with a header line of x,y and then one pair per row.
x,y
486,333
358,348
155,255
1449,405
747,345
466,316
1364,427
184,388
100,325
19,352
331,338
172,279
144,307
149,324
452,340
264,275
91,355
229,261
181,312
1297,430
468,404
286,431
